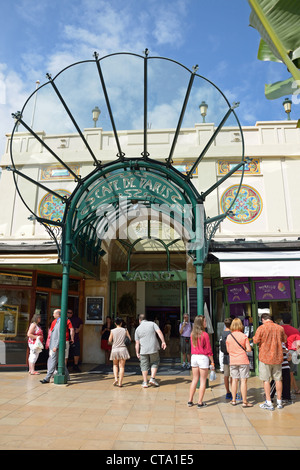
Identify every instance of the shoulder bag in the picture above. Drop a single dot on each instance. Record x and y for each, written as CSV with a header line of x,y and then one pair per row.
x,y
249,354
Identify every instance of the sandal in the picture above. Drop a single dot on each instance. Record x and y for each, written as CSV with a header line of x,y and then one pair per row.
x,y
233,403
247,405
115,383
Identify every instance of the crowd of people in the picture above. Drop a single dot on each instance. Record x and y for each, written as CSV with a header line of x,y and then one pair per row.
x,y
278,346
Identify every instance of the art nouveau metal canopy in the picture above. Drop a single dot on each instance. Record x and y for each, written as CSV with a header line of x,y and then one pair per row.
x,y
133,92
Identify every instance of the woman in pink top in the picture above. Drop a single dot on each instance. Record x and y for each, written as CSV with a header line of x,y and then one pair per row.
x,y
201,355
238,345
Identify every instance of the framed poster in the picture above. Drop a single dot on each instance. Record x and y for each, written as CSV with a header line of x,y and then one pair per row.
x,y
94,310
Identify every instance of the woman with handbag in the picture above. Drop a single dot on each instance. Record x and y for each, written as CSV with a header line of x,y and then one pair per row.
x,y
119,352
237,344
35,342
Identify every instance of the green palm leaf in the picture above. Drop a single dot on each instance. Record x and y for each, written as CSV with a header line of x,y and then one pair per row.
x,y
278,23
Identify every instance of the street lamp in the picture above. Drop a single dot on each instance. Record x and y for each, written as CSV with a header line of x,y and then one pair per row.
x,y
203,109
287,104
96,113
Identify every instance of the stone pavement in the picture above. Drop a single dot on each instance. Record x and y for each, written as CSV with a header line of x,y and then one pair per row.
x,y
90,414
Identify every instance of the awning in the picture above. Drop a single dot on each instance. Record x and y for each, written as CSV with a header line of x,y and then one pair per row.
x,y
29,258
259,263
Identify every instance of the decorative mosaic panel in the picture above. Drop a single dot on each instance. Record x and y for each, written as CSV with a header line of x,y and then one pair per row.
x,y
247,207
251,168
51,207
184,167
58,172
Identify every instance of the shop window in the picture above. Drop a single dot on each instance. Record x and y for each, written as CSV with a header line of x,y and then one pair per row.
x,y
14,320
54,282
16,278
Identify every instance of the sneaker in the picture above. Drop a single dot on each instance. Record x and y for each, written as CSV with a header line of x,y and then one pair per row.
x,y
153,382
183,365
228,396
190,403
188,366
144,385
265,406
203,405
279,406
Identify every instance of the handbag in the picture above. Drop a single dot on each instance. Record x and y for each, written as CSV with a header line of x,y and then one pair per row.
x,y
127,341
38,344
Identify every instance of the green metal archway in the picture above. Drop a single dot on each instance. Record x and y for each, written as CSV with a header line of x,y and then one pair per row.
x,y
111,190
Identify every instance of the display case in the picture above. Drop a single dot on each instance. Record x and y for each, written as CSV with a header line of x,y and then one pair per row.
x,y
9,321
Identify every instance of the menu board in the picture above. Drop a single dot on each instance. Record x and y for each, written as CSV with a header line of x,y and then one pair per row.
x,y
239,292
273,290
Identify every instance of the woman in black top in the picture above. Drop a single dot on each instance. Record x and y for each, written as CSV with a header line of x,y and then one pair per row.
x,y
105,332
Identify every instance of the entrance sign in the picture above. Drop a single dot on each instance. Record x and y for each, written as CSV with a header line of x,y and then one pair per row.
x,y
139,185
148,276
119,182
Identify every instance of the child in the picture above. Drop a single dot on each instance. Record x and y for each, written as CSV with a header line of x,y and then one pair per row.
x,y
286,378
226,332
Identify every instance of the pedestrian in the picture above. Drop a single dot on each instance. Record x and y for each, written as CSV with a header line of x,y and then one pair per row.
x,y
53,349
237,344
105,332
34,333
77,324
185,330
292,336
226,367
147,348
269,336
69,335
119,352
201,356
286,378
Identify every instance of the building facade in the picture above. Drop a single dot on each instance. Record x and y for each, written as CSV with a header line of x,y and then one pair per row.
x,y
254,258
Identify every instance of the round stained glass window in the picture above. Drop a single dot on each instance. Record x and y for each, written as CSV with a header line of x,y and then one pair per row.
x,y
52,207
247,207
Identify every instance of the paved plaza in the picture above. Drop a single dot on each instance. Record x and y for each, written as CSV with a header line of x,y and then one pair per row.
x,y
91,414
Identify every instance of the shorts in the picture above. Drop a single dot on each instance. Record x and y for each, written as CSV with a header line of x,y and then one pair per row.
x,y
241,371
185,344
200,360
226,370
67,349
75,349
149,360
270,371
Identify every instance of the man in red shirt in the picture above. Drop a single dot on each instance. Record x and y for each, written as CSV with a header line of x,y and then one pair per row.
x,y
293,336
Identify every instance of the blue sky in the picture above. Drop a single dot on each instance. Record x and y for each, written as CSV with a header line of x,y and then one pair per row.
x,y
46,36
